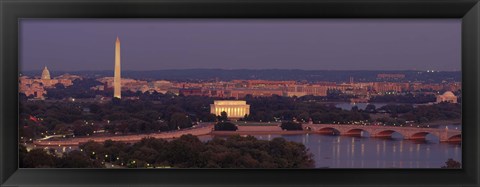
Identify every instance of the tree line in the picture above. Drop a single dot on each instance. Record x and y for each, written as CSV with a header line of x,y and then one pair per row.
x,y
186,151
301,109
399,114
407,98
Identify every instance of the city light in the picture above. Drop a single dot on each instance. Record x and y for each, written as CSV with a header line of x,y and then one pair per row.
x,y
157,118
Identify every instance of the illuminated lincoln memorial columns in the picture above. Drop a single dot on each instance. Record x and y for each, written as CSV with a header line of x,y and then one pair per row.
x,y
233,108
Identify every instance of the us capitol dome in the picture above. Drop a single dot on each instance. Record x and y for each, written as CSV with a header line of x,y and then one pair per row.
x,y
45,74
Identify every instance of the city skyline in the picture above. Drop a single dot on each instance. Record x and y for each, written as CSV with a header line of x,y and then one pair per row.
x,y
94,120
219,44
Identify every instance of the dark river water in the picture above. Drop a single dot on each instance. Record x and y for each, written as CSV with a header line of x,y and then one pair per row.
x,y
362,152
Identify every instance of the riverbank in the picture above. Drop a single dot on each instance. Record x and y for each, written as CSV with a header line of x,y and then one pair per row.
x,y
442,122
200,131
258,130
228,133
126,138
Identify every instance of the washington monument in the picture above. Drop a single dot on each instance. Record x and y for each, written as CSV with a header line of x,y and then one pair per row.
x,y
117,85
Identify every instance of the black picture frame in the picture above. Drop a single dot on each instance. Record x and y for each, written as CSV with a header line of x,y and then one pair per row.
x,y
12,10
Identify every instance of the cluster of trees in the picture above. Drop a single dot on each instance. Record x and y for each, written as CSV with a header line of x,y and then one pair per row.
x,y
428,113
39,117
452,164
394,109
399,114
225,126
336,96
289,126
39,158
125,116
407,98
189,152
292,108
79,89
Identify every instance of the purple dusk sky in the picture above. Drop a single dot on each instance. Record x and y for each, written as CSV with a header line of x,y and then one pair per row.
x,y
313,44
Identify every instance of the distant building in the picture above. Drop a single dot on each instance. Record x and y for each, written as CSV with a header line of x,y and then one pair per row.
x,y
32,88
36,86
302,90
190,91
68,77
160,86
453,86
98,87
233,108
270,84
382,87
447,97
254,92
390,76
418,86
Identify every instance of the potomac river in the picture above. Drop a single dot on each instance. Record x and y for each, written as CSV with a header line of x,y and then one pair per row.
x,y
358,152
328,151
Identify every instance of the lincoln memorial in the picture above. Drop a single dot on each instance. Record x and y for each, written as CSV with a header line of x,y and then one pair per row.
x,y
233,108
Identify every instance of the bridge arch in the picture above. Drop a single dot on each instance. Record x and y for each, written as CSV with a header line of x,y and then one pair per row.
x,y
356,132
329,131
421,135
455,138
387,134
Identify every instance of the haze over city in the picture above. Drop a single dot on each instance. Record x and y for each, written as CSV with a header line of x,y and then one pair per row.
x,y
159,44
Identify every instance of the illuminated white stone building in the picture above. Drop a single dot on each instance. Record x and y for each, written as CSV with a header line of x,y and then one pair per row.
x,y
447,97
36,86
46,74
233,108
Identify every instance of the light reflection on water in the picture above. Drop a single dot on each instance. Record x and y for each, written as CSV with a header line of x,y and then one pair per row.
x,y
358,152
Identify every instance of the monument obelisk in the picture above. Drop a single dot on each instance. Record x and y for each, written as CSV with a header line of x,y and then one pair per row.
x,y
117,85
